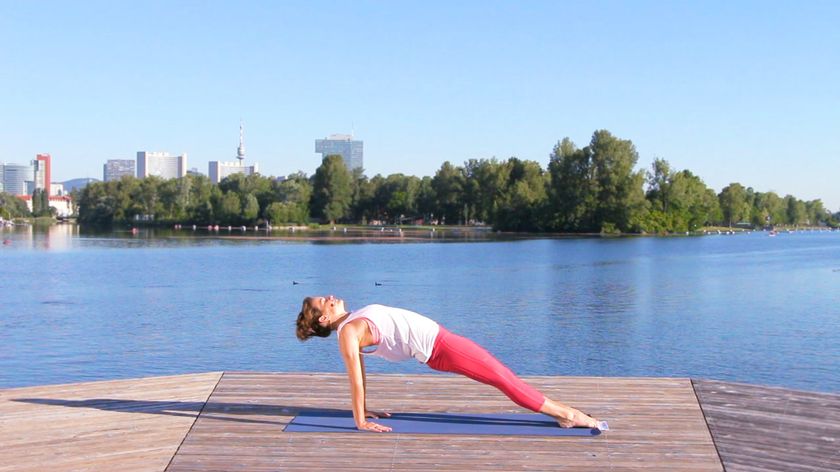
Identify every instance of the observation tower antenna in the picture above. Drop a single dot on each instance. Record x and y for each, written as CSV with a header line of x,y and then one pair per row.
x,y
240,151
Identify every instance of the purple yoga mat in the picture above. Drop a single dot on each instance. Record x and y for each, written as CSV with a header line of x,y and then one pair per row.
x,y
508,424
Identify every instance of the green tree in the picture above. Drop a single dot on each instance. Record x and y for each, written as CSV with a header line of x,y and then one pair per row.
x,y
148,198
692,203
36,202
817,213
284,212
484,181
398,195
448,185
362,197
12,206
230,208
796,212
296,189
202,193
250,208
426,199
262,188
97,205
522,201
659,179
768,209
332,189
620,196
733,203
573,188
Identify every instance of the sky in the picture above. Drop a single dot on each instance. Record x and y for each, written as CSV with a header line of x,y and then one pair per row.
x,y
741,91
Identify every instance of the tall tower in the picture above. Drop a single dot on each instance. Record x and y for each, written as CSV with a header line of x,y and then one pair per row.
x,y
42,172
240,151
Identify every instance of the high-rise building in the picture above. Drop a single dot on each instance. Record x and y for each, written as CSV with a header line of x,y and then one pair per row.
x,y
42,174
344,145
115,169
17,179
219,170
161,164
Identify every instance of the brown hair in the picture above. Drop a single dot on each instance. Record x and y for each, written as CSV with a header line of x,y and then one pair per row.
x,y
307,322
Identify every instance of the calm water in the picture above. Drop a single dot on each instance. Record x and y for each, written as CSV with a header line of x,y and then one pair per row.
x,y
747,308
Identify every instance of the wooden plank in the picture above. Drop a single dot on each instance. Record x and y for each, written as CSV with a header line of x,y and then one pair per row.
x,y
657,425
772,429
112,425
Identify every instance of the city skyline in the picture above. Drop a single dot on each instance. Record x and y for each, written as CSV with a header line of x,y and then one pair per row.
x,y
733,92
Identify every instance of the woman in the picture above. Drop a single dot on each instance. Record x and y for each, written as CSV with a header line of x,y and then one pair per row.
x,y
399,334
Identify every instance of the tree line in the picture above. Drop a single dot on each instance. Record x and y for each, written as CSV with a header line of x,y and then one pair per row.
x,y
593,189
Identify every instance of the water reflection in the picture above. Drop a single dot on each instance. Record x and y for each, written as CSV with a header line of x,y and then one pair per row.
x,y
47,237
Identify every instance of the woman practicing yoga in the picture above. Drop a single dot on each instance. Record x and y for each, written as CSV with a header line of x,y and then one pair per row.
x,y
400,334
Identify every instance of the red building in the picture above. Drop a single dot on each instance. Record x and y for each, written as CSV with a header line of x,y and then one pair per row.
x,y
43,178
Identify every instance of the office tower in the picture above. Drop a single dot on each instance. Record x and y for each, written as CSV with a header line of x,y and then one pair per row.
x,y
218,170
115,169
42,175
343,145
161,164
17,179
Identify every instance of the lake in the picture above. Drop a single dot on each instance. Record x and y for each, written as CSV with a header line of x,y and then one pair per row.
x,y
747,307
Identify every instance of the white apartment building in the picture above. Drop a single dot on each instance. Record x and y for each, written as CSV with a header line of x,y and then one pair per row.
x,y
219,170
161,164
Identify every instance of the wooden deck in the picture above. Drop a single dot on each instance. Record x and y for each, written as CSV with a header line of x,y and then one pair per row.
x,y
116,425
763,428
235,421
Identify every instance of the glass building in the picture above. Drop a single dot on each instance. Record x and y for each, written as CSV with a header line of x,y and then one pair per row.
x,y
115,169
343,145
17,179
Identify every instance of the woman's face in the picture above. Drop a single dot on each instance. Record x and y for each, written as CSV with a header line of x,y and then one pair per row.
x,y
331,308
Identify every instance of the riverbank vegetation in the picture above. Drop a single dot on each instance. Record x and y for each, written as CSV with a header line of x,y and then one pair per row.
x,y
591,189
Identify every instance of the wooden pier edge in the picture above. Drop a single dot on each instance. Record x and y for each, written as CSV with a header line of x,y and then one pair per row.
x,y
235,420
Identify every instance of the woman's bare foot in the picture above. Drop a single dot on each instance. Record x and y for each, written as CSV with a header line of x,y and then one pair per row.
x,y
566,416
576,418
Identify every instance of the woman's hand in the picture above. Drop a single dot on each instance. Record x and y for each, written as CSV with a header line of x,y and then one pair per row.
x,y
377,414
371,426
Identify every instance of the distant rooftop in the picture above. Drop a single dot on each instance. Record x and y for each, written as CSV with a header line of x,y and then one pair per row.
x,y
340,137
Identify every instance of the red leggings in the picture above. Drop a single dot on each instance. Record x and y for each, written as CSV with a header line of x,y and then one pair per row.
x,y
453,353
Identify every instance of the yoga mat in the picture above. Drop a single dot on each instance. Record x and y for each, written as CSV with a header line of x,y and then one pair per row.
x,y
508,424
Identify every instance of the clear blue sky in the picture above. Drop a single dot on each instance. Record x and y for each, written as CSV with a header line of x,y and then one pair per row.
x,y
733,91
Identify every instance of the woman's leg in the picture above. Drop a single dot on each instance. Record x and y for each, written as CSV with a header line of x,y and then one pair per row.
x,y
453,353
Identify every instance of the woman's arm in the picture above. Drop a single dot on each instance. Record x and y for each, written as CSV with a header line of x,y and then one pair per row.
x,y
348,343
364,380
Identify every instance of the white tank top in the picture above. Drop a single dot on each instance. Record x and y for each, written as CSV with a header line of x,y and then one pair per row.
x,y
403,334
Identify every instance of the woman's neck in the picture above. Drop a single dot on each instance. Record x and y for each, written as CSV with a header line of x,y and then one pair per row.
x,y
340,319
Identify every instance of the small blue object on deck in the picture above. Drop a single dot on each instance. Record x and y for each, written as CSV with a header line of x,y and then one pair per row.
x,y
510,424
